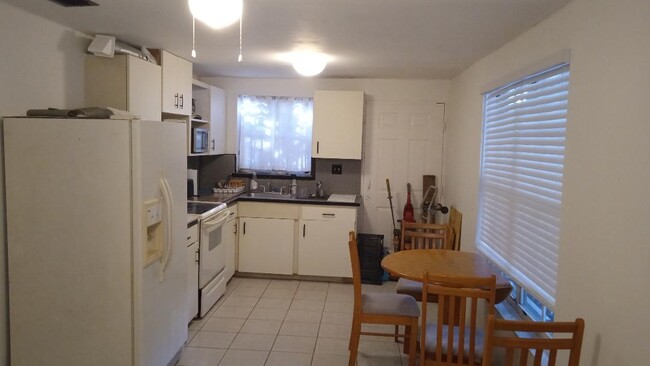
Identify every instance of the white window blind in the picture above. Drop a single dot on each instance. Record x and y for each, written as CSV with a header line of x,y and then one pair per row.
x,y
275,133
520,191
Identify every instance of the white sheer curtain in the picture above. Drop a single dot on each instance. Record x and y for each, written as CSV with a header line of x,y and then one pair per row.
x,y
275,133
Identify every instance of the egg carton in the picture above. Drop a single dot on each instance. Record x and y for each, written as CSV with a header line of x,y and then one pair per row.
x,y
229,190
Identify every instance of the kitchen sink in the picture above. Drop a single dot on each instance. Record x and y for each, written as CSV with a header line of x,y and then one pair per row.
x,y
280,196
268,195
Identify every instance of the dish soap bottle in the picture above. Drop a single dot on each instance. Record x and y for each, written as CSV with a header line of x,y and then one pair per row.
x,y
253,185
293,188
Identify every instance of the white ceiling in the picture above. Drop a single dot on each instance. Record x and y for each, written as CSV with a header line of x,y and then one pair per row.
x,y
428,39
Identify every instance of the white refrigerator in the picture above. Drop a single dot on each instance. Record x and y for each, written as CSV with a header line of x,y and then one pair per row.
x,y
96,224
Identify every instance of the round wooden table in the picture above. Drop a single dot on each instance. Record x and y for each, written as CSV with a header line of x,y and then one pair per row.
x,y
411,264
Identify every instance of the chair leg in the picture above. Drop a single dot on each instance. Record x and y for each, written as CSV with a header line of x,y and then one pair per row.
x,y
413,342
407,331
354,341
396,333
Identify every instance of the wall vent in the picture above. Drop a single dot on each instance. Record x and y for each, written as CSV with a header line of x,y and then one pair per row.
x,y
75,3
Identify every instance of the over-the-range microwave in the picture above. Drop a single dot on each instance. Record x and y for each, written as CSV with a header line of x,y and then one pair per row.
x,y
200,140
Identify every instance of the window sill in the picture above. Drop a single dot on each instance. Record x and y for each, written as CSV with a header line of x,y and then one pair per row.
x,y
508,310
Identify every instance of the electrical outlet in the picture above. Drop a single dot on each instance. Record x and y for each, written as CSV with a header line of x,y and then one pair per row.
x,y
337,169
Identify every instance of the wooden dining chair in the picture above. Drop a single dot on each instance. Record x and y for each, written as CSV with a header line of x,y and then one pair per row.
x,y
422,236
455,338
455,225
380,308
507,339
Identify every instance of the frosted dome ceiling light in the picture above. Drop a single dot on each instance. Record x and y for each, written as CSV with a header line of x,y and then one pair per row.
x,y
309,63
216,13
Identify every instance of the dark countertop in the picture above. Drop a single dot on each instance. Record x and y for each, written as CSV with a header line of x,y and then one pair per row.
x,y
244,197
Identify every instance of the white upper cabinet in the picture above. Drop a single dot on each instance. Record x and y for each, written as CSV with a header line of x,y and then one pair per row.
x,y
217,121
124,82
338,124
176,84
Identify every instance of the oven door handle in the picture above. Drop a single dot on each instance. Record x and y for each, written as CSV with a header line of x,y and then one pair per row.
x,y
218,221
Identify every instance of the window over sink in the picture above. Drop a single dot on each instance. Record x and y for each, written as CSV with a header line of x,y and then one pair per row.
x,y
275,135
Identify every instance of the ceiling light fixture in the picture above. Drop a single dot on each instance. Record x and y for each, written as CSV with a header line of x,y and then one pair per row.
x,y
309,63
216,13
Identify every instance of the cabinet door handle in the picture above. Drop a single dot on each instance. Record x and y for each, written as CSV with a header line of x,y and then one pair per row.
x,y
212,144
328,215
317,147
197,257
181,101
303,229
189,237
235,229
244,232
176,100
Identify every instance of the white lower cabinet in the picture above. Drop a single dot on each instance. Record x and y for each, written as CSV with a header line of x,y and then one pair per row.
x,y
192,259
323,241
309,240
266,245
229,232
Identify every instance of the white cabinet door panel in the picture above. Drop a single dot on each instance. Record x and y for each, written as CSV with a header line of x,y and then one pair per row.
x,y
266,245
323,248
338,124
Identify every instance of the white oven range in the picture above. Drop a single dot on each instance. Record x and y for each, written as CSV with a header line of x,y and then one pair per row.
x,y
212,252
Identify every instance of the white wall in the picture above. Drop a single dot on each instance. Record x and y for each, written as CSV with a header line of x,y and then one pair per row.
x,y
41,65
604,259
374,89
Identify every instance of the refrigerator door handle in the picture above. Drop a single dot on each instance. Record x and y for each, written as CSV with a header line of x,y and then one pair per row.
x,y
169,237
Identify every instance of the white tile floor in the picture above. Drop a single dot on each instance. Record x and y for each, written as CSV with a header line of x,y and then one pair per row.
x,y
279,322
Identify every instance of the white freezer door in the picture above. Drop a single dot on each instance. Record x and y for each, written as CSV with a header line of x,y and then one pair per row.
x,y
160,300
68,200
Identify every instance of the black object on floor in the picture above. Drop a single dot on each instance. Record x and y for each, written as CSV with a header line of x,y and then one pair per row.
x,y
371,252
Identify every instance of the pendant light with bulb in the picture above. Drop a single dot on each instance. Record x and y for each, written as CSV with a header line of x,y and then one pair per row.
x,y
216,14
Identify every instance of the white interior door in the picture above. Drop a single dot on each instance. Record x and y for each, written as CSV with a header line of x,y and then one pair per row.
x,y
403,143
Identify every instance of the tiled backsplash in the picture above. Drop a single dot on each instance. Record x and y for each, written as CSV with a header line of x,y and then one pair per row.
x,y
213,169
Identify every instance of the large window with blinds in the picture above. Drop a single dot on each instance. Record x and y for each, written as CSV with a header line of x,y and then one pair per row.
x,y
520,189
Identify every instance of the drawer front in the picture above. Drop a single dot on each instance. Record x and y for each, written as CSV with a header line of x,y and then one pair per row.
x,y
310,212
192,234
233,210
268,210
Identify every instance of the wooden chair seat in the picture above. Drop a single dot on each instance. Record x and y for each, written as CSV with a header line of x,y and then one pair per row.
x,y
389,304
413,288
